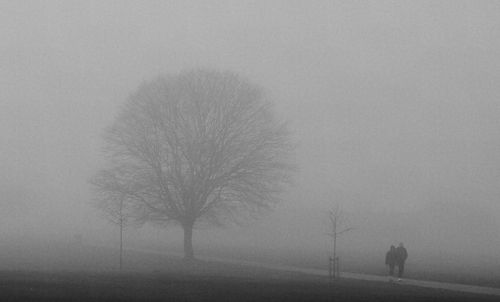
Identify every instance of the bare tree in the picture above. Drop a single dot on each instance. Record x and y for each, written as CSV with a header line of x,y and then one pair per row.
x,y
337,225
199,146
118,212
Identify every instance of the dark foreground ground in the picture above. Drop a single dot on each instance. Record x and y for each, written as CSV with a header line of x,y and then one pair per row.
x,y
207,281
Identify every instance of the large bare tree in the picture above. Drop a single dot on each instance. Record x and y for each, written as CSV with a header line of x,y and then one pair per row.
x,y
198,146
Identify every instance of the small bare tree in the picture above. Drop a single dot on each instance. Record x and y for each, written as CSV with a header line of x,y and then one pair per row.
x,y
337,225
199,146
117,211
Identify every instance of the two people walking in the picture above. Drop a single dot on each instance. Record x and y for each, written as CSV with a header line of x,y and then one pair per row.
x,y
396,257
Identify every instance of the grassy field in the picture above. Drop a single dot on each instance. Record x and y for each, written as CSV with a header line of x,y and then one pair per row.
x,y
85,273
206,281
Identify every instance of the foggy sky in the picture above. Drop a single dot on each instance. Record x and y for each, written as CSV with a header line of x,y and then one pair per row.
x,y
394,104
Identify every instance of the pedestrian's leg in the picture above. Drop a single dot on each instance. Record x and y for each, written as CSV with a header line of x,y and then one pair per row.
x,y
391,272
401,269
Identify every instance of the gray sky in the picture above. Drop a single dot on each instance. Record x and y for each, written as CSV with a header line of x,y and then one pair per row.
x,y
394,104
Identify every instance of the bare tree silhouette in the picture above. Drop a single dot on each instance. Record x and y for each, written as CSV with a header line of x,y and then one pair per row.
x,y
337,224
117,211
199,146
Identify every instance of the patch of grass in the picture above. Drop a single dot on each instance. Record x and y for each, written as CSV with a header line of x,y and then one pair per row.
x,y
207,281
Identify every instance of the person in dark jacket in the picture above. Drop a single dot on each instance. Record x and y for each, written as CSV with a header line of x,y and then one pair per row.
x,y
401,256
390,260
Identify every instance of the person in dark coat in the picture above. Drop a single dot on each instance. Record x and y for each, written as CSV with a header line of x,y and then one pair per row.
x,y
401,256
390,260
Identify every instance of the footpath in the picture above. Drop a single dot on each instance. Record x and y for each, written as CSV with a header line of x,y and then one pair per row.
x,y
473,289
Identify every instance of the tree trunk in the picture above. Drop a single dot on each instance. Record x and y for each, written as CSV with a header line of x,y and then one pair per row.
x,y
188,242
121,243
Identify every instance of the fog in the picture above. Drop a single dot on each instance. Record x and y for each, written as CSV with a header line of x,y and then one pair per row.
x,y
394,107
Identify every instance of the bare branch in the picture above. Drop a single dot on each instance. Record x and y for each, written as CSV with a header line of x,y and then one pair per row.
x,y
199,145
